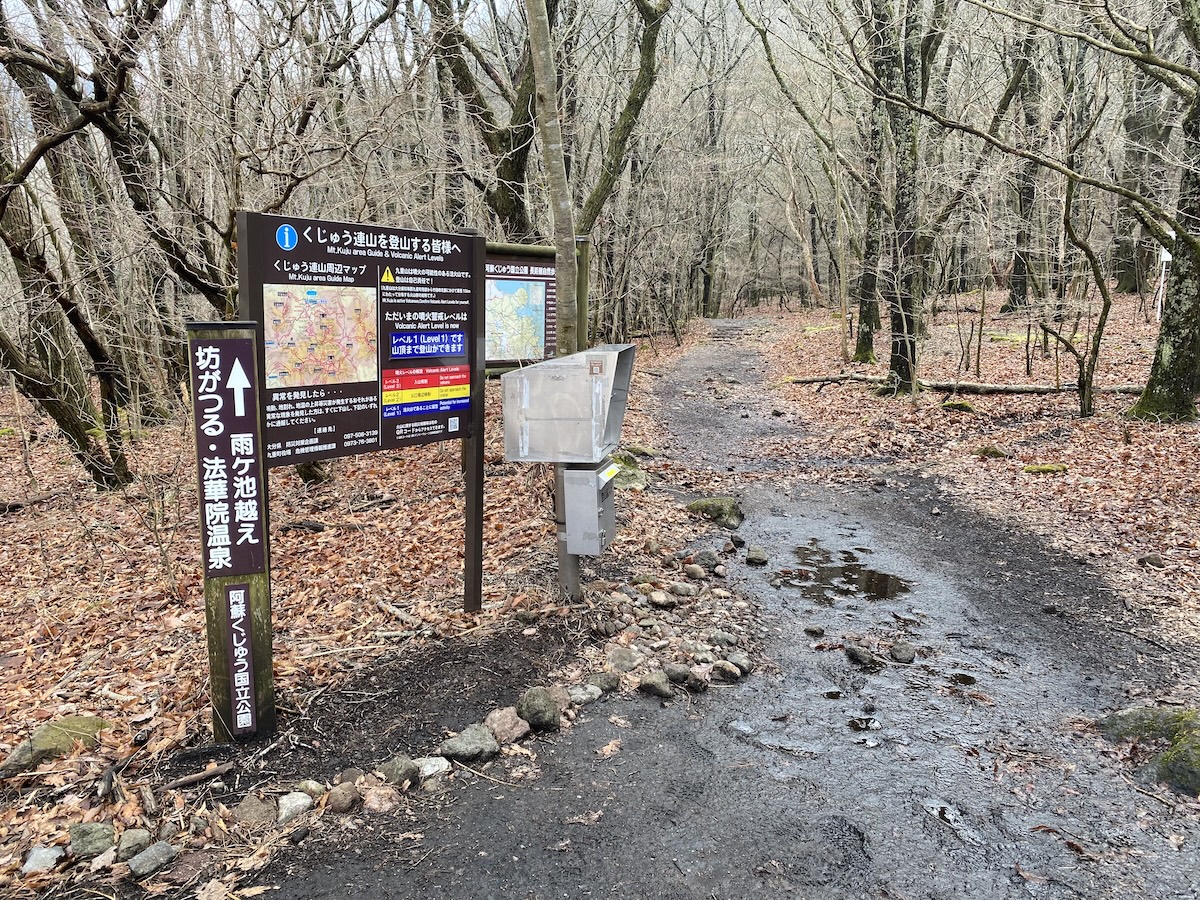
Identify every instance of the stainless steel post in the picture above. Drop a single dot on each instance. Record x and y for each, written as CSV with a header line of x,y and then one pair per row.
x,y
568,563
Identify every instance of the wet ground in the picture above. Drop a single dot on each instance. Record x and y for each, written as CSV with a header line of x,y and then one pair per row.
x,y
970,772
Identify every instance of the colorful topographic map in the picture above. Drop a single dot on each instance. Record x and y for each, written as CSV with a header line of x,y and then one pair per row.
x,y
516,319
319,334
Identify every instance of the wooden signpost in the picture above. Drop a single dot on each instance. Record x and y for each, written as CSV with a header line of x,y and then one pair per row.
x,y
233,526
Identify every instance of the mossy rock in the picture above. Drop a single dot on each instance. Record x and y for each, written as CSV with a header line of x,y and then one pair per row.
x,y
959,406
724,511
52,741
1045,469
991,451
630,478
1179,764
642,450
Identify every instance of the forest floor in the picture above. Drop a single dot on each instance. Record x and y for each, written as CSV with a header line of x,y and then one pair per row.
x,y
104,614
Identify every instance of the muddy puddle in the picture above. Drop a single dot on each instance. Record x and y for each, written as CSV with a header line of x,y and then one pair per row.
x,y
828,577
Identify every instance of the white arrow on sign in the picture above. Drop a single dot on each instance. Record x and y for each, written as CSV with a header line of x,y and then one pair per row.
x,y
239,384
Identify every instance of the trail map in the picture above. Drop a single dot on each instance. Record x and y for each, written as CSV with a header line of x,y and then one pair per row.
x,y
516,319
319,335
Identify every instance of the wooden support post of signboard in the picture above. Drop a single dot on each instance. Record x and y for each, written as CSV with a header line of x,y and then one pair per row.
x,y
473,443
256,585
583,259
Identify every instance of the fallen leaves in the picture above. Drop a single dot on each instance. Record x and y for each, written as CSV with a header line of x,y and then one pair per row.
x,y
609,750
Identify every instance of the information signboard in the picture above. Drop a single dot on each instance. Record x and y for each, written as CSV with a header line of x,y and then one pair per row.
x,y
368,333
522,310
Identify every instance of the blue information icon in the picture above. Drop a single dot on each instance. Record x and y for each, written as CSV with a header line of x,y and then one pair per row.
x,y
286,237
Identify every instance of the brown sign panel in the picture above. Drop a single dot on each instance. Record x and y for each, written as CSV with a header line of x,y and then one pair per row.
x,y
229,459
522,309
367,333
243,718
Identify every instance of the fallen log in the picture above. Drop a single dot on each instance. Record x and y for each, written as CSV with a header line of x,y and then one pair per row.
x,y
968,387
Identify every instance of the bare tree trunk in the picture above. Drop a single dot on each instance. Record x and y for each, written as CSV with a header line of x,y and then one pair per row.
x,y
546,79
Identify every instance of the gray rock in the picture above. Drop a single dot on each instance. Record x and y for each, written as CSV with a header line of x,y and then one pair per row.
x,y
623,659
903,652
381,799
814,630
583,694
697,680
473,744
662,600
704,657
168,831
707,559
343,798
314,789
656,684
723,670
677,673
133,841
861,656
757,556
506,726
433,766
152,859
198,825
1153,560
42,859
540,709
737,540
722,639
293,804
350,775
691,570
400,769
741,660
606,681
683,589
91,839
256,811
52,741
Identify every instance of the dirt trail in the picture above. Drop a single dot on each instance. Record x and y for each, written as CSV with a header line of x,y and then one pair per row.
x,y
968,773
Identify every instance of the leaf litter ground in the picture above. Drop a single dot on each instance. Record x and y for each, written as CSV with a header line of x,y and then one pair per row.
x,y
372,650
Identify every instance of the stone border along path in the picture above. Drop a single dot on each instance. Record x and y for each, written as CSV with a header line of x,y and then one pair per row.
x,y
654,624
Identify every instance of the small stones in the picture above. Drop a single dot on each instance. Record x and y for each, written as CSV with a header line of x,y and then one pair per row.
x,y
90,839
656,684
737,540
133,841
42,859
583,694
399,770
814,631
707,560
691,570
622,659
606,681
343,798
381,799
151,860
351,775
473,744
314,789
433,766
903,652
539,708
723,639
256,811
861,656
723,670
677,673
292,805
682,589
662,600
505,725
742,661
756,556
721,594
1153,560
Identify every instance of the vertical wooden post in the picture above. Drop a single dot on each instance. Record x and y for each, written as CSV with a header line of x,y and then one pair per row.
x,y
234,527
583,265
474,441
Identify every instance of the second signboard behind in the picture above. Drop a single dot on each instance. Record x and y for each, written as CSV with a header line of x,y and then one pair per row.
x,y
368,333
